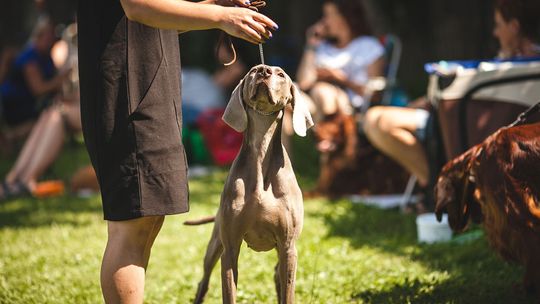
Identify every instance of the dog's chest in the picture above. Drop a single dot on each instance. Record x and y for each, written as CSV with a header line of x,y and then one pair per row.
x,y
270,219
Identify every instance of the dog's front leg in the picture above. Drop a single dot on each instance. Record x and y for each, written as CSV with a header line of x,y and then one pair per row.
x,y
229,269
213,253
287,273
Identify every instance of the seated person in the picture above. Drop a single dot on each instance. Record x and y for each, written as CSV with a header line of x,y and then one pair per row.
x,y
398,132
47,136
340,56
32,76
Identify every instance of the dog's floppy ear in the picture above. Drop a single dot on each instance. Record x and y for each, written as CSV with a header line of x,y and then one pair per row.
x,y
454,192
301,117
235,114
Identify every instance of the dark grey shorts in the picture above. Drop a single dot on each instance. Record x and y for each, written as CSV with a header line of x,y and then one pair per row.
x,y
132,127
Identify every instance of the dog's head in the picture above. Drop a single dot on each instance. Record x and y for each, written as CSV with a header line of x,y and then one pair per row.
x,y
330,133
266,90
455,191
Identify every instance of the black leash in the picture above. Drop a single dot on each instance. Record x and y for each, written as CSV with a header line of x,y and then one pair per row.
x,y
522,118
225,39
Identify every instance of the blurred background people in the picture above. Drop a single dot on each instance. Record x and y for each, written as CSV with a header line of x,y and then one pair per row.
x,y
400,132
30,82
47,136
340,56
516,26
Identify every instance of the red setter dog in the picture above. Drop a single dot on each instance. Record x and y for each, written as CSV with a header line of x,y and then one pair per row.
x,y
349,164
498,182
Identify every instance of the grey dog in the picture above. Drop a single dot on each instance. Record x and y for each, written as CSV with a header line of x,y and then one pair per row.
x,y
261,202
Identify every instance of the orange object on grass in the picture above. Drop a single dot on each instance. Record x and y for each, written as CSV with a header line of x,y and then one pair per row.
x,y
49,189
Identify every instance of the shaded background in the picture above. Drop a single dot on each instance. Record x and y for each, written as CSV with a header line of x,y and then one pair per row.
x,y
429,30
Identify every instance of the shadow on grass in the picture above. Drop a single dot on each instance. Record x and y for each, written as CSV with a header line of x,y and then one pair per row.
x,y
475,273
29,212
450,291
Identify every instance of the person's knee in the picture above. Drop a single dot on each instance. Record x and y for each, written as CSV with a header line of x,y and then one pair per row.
x,y
322,91
325,95
384,122
134,233
371,123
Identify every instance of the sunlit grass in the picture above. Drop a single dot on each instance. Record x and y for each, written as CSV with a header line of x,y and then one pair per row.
x,y
50,252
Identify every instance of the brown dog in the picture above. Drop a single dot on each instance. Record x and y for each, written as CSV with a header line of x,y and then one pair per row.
x,y
349,164
261,202
498,181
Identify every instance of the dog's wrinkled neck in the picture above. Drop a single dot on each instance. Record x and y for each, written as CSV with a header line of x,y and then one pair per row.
x,y
262,142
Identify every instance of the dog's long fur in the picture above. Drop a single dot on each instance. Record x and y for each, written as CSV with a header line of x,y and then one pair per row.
x,y
498,182
349,164
261,202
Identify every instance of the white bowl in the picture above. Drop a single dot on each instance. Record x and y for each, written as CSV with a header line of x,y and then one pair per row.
x,y
430,230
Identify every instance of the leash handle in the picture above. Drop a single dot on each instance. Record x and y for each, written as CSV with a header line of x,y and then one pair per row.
x,y
226,38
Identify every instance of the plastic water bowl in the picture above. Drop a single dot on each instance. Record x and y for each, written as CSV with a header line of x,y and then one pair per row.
x,y
430,230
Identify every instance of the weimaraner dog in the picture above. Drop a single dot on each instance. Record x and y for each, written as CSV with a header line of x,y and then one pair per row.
x,y
261,202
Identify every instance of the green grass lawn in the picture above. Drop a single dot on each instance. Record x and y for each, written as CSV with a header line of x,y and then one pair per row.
x,y
50,252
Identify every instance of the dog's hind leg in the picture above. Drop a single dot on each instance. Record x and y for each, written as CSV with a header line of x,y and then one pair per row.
x,y
277,282
213,253
229,268
287,272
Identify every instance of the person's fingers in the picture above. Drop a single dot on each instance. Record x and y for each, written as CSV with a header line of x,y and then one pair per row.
x,y
252,34
265,20
263,31
247,38
241,3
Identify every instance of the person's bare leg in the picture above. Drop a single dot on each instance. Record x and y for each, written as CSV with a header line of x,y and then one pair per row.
x,y
155,230
391,130
48,145
72,115
28,150
46,149
126,258
329,99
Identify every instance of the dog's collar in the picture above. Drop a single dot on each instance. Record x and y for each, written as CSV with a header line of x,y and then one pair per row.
x,y
261,112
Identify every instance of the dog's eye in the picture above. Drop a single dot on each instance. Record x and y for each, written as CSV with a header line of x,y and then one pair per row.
x,y
281,74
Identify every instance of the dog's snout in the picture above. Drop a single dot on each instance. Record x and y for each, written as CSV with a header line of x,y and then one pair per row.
x,y
265,71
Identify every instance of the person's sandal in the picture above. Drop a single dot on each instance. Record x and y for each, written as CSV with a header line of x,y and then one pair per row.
x,y
20,189
15,190
6,192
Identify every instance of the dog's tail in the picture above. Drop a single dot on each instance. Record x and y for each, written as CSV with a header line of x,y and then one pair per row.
x,y
204,220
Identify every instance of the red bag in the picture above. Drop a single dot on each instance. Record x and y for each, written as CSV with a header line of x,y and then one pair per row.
x,y
222,141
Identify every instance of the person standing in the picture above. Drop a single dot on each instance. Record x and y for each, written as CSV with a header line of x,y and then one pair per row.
x,y
129,65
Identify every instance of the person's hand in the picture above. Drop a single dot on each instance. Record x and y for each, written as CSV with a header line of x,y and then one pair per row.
x,y
331,75
247,24
315,34
241,3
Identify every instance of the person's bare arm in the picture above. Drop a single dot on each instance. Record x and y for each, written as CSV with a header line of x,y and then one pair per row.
x,y
184,16
375,69
306,76
37,84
